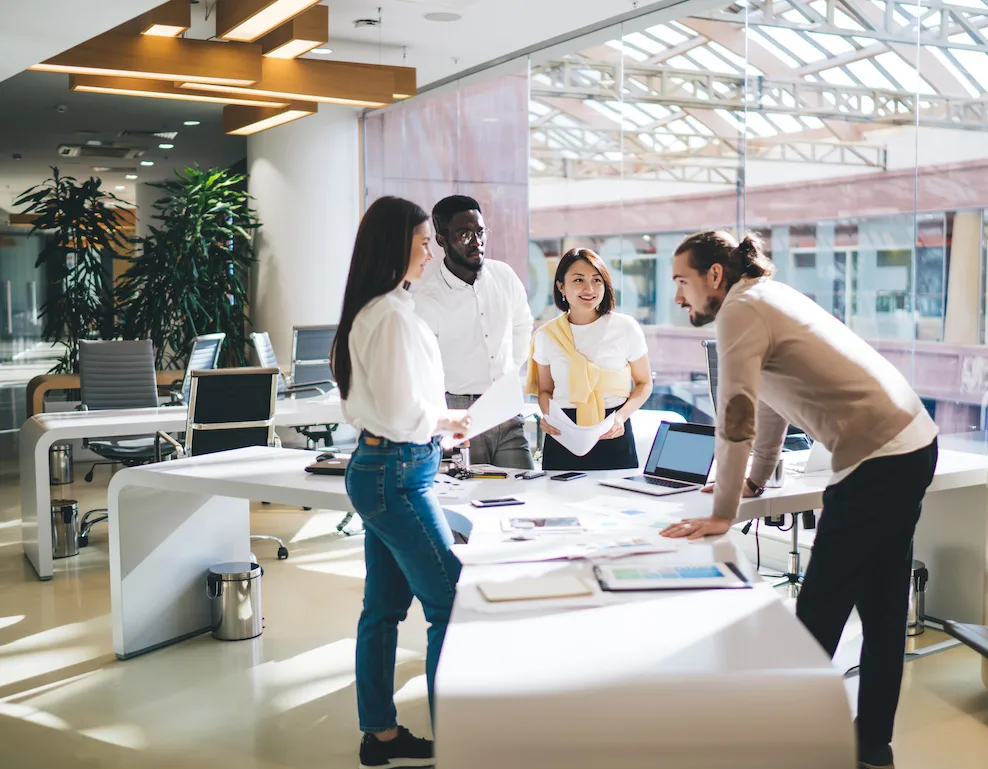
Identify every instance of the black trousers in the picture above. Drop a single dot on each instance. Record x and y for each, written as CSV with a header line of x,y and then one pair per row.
x,y
862,557
612,454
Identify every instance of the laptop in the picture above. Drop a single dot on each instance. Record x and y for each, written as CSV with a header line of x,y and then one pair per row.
x,y
818,460
679,461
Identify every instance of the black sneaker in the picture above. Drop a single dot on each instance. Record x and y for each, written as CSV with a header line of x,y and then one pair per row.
x,y
404,750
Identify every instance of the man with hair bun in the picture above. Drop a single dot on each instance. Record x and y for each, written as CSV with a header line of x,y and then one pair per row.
x,y
784,359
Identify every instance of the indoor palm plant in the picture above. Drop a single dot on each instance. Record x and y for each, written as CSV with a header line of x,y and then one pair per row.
x,y
190,275
84,235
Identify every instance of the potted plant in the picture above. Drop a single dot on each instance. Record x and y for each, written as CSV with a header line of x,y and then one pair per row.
x,y
191,274
84,225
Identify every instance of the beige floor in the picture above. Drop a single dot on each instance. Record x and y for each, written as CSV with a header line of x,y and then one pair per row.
x,y
285,699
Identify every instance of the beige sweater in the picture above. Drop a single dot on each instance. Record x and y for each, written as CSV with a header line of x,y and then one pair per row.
x,y
780,350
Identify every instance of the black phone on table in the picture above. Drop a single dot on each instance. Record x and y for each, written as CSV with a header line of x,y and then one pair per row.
x,y
497,502
571,476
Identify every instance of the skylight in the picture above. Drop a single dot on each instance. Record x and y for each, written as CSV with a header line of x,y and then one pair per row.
x,y
868,74
793,42
627,50
564,120
730,118
657,111
711,61
681,62
836,76
836,44
904,73
644,42
539,108
667,34
757,124
963,82
772,48
786,123
976,65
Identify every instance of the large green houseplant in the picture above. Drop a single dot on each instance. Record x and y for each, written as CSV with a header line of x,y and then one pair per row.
x,y
191,273
83,228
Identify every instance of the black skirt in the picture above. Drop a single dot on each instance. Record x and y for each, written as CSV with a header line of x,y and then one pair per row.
x,y
612,454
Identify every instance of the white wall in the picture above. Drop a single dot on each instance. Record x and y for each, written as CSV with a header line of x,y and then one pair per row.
x,y
305,178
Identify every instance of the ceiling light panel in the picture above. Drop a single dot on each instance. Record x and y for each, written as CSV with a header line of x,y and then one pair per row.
x,y
247,20
157,89
308,30
160,58
244,121
169,19
317,80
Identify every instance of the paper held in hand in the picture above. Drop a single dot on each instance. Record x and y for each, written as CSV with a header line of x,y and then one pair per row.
x,y
502,401
578,440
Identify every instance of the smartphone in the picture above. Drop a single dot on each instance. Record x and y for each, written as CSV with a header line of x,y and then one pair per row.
x,y
571,476
529,475
497,502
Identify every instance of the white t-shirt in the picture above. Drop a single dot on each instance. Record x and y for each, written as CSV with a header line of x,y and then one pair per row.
x,y
611,341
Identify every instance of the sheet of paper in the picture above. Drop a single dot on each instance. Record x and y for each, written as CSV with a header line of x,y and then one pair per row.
x,y
502,401
578,440
563,547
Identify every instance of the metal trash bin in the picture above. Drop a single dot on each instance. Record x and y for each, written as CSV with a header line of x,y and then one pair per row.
x,y
64,528
234,591
60,464
918,578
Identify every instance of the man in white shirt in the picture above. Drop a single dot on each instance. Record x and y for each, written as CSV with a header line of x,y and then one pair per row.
x,y
478,310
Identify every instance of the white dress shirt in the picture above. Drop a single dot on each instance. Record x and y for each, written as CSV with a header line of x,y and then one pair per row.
x,y
612,341
484,329
396,384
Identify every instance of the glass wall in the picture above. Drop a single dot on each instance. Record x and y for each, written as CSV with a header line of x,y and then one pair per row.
x,y
854,145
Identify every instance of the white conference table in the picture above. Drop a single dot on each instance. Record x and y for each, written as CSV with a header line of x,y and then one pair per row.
x,y
622,683
41,431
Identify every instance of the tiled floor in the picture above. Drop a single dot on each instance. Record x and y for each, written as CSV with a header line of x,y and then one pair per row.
x,y
286,699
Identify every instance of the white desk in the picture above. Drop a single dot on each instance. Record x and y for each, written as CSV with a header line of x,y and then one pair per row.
x,y
41,431
609,685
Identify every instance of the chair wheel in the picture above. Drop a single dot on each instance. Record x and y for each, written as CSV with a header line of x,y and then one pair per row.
x,y
89,477
84,540
306,508
282,553
265,503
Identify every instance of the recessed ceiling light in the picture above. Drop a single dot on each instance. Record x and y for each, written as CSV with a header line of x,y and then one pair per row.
x,y
322,51
191,122
94,142
443,16
130,176
120,187
147,162
166,146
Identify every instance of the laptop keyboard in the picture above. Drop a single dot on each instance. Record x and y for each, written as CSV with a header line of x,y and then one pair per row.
x,y
662,482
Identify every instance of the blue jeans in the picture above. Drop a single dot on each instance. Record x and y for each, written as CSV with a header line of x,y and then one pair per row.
x,y
407,553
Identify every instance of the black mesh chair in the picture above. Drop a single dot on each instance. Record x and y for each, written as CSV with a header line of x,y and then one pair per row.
x,y
205,355
310,373
116,375
230,408
796,440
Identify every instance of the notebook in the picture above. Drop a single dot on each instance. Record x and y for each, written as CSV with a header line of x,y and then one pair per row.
x,y
561,586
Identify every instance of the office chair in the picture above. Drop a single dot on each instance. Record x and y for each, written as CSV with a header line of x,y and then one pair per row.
x,y
229,409
793,575
205,355
116,375
310,373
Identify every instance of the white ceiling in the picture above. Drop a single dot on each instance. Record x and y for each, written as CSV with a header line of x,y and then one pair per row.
x,y
31,126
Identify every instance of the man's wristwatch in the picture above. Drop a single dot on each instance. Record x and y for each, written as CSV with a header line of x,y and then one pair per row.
x,y
754,487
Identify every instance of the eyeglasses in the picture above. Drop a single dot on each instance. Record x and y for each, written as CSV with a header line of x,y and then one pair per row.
x,y
465,237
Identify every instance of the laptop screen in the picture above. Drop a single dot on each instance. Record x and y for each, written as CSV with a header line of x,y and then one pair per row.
x,y
682,452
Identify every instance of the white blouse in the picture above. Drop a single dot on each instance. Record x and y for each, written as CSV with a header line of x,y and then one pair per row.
x,y
612,341
396,384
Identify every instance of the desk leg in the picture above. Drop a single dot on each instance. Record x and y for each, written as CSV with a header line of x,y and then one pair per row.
x,y
36,497
162,544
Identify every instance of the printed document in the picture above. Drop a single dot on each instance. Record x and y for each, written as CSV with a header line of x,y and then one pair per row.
x,y
502,401
578,440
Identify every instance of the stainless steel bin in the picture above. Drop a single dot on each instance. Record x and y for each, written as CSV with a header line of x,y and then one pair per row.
x,y
234,591
60,464
64,528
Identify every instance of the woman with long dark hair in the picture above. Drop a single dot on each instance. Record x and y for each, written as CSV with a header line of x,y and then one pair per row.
x,y
390,374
